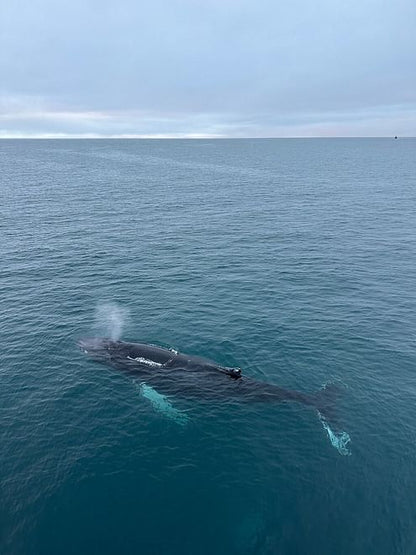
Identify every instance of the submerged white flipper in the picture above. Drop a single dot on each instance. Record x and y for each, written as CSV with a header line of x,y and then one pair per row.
x,y
162,404
339,440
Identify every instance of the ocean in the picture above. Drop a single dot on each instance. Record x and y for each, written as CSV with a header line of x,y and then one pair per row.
x,y
294,260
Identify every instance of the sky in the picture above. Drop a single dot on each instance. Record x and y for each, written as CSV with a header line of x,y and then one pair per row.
x,y
207,68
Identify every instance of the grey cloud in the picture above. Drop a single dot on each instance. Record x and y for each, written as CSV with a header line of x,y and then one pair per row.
x,y
213,64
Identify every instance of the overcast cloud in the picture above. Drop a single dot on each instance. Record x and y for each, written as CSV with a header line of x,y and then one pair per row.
x,y
220,68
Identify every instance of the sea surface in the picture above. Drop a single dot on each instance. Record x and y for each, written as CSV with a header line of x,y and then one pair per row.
x,y
292,259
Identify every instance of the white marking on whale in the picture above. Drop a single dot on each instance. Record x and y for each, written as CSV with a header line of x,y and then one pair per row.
x,y
146,361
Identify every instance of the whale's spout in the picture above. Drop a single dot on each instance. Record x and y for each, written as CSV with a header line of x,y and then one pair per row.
x,y
90,344
97,348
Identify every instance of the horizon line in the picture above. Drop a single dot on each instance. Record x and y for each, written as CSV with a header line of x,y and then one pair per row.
x,y
194,138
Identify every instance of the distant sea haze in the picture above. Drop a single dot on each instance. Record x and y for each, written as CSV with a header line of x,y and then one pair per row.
x,y
294,260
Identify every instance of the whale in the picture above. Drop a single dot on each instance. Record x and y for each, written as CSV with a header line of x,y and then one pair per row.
x,y
166,374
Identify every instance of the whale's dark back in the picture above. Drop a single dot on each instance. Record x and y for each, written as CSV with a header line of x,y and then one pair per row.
x,y
147,352
196,377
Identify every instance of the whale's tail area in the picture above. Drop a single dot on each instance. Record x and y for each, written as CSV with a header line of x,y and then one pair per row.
x,y
325,403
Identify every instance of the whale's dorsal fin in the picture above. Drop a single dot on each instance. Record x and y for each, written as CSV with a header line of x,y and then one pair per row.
x,y
233,372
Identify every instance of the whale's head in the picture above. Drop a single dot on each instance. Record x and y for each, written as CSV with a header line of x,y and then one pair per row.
x,y
98,348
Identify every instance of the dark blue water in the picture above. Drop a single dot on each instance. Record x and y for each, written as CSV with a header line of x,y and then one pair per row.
x,y
293,259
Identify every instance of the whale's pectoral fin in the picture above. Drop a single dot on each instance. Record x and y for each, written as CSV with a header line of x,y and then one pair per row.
x,y
162,404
